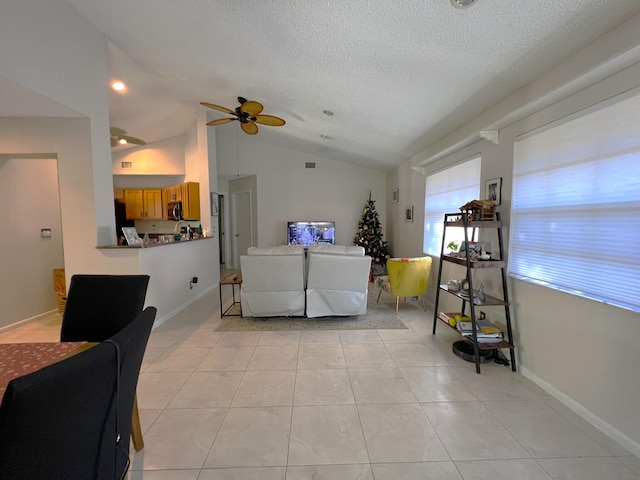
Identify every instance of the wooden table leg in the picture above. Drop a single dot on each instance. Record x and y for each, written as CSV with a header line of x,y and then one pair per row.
x,y
136,431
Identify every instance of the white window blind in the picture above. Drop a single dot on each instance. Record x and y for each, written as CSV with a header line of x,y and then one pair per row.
x,y
575,220
446,191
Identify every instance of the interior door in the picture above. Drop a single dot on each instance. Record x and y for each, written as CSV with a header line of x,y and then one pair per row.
x,y
242,219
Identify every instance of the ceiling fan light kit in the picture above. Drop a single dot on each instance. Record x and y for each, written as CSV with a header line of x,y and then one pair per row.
x,y
120,137
462,3
248,114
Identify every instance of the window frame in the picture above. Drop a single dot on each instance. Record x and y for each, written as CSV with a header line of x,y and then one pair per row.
x,y
444,184
578,160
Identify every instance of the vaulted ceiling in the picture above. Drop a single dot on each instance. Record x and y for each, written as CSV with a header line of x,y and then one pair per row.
x,y
397,75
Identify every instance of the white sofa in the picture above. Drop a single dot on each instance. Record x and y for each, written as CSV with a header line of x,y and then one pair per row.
x,y
273,282
337,280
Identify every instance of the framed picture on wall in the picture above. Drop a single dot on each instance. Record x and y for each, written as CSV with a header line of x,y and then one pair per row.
x,y
395,196
408,214
214,204
493,190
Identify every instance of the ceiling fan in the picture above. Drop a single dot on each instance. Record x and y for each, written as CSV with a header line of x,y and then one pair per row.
x,y
120,137
248,114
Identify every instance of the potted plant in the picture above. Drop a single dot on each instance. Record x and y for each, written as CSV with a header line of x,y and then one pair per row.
x,y
453,247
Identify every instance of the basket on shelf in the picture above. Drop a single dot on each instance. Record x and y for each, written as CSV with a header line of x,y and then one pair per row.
x,y
479,210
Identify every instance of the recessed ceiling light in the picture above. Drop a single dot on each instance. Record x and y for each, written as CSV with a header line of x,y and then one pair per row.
x,y
118,86
462,3
328,113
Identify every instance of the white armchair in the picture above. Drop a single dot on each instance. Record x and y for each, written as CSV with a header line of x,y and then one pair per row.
x,y
273,282
337,280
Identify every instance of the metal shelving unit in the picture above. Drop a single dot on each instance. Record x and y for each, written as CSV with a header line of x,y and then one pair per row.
x,y
461,220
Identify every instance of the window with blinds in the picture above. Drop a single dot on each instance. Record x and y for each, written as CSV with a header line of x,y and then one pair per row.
x,y
575,219
446,191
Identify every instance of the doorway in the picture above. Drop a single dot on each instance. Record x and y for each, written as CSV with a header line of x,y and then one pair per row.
x,y
30,185
241,224
222,229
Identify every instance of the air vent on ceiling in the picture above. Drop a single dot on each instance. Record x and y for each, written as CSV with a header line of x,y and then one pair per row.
x,y
126,164
310,165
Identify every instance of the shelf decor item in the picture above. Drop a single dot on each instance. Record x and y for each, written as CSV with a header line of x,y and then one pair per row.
x,y
479,210
131,234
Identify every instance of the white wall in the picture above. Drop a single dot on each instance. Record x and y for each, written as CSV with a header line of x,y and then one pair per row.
x,y
287,191
55,60
68,139
171,268
166,157
30,188
71,72
50,49
583,352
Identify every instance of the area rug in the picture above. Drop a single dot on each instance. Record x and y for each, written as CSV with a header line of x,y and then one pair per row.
x,y
378,316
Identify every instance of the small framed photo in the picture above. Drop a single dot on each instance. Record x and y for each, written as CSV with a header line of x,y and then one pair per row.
x,y
408,214
395,196
214,204
494,190
131,235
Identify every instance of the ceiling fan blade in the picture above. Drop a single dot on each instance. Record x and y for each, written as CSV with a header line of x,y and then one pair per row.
x,y
220,121
114,142
251,107
117,131
249,128
270,120
218,107
133,140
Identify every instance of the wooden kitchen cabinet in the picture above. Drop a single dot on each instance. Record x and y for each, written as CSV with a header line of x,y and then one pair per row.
x,y
152,204
190,196
172,194
143,204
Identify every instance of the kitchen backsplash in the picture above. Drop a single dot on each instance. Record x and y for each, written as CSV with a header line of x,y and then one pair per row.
x,y
159,226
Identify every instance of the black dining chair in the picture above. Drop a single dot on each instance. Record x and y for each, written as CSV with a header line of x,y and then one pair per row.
x,y
130,343
99,306
55,421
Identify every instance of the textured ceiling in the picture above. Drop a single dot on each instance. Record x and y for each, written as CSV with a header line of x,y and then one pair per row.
x,y
398,74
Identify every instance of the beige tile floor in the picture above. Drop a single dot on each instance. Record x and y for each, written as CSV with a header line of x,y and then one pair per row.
x,y
332,405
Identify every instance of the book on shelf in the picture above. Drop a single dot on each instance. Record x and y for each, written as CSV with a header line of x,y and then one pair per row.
x,y
485,330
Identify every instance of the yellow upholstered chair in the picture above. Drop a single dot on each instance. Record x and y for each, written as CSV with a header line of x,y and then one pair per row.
x,y
407,277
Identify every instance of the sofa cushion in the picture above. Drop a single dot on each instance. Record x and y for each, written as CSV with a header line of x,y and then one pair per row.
x,y
277,250
352,250
272,284
337,284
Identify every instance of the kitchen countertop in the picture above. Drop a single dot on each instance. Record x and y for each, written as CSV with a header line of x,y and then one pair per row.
x,y
152,245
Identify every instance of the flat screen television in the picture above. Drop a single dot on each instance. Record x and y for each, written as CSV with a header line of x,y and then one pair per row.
x,y
306,233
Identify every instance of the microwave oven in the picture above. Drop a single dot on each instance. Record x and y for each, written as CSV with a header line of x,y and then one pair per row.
x,y
174,211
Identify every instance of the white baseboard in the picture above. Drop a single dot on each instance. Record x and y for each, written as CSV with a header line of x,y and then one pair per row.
x,y
588,415
164,318
19,323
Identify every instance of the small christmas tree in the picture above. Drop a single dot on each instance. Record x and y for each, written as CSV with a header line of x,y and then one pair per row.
x,y
369,236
